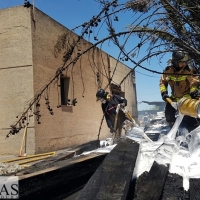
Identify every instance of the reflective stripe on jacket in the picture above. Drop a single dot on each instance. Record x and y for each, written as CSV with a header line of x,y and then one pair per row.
x,y
180,83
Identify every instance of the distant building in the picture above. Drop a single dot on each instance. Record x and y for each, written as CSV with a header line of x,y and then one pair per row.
x,y
27,63
150,114
159,104
142,113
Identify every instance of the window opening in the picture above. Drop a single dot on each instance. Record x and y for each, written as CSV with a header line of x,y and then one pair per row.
x,y
64,89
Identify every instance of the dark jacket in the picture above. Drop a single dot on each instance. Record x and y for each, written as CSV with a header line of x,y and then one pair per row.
x,y
109,108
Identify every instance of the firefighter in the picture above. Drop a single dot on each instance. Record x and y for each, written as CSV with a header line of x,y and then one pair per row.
x,y
183,84
109,104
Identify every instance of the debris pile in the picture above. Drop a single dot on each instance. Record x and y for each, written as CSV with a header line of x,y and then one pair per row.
x,y
7,168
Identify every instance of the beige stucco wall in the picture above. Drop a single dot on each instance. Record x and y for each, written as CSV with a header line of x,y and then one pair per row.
x,y
33,65
16,76
81,124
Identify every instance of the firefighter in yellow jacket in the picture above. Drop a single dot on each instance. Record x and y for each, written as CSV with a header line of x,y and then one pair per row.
x,y
183,83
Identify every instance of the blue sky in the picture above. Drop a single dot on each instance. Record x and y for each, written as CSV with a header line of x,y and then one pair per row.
x,y
72,13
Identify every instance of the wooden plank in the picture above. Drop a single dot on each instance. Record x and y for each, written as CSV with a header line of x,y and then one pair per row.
x,y
92,145
66,154
173,188
152,186
46,163
63,177
113,177
60,165
194,189
73,196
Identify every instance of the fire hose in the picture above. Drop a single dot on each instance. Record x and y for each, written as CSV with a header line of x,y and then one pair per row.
x,y
185,106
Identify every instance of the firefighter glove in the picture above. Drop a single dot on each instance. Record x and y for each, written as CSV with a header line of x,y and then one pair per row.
x,y
194,94
112,130
122,105
164,96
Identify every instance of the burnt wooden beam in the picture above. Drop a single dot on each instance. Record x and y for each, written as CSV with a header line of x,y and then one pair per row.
x,y
74,195
194,189
113,177
65,154
173,188
89,146
60,177
151,187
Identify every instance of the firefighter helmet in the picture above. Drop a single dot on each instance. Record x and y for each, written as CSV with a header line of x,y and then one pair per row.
x,y
179,56
101,93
